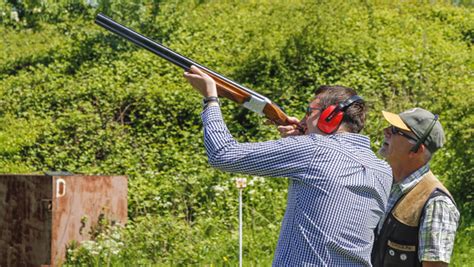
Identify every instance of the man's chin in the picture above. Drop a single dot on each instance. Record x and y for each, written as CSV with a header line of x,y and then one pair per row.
x,y
383,152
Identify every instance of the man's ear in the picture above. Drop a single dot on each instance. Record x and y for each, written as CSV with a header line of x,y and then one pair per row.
x,y
420,151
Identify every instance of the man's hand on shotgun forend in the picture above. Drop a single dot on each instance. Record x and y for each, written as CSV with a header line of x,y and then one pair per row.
x,y
291,130
201,82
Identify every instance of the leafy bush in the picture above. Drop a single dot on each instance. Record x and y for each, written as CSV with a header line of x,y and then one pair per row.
x,y
74,97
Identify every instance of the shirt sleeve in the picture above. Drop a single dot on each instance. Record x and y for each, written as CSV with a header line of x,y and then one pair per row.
x,y
438,229
286,157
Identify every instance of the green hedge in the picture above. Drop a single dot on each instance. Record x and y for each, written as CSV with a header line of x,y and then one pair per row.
x,y
74,97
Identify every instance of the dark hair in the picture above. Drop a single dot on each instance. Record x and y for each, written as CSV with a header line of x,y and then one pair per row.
x,y
354,116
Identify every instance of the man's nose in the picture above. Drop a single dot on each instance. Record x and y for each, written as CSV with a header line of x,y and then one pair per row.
x,y
387,132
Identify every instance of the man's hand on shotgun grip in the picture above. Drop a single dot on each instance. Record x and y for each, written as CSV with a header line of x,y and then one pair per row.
x,y
296,128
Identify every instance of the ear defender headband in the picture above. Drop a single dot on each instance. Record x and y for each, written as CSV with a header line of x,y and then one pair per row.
x,y
332,116
425,135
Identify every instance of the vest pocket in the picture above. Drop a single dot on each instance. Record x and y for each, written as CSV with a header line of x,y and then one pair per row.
x,y
399,255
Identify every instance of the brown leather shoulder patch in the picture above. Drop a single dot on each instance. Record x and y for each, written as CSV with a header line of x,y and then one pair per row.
x,y
409,208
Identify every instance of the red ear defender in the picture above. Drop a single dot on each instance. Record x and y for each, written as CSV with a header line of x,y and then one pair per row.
x,y
332,116
330,119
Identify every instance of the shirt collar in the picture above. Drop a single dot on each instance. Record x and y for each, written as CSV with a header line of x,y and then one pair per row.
x,y
409,182
353,138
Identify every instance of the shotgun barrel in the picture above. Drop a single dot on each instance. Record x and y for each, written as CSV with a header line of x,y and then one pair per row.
x,y
225,87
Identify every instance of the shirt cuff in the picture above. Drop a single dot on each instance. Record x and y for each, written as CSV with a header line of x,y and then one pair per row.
x,y
210,114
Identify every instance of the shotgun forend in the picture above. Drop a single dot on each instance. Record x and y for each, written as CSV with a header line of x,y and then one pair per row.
x,y
225,87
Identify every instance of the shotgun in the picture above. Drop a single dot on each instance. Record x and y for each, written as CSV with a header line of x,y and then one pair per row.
x,y
225,87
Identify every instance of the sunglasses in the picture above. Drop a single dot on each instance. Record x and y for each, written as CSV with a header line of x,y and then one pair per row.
x,y
310,110
398,131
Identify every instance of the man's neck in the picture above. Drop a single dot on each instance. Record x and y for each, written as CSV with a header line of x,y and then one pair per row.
x,y
403,170
342,129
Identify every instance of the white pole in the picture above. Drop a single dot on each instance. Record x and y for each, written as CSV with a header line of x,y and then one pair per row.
x,y
240,228
241,184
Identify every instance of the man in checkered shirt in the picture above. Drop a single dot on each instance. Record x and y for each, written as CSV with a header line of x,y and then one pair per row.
x,y
338,188
422,218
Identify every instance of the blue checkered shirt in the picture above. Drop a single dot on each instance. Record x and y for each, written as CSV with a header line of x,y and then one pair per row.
x,y
337,193
438,224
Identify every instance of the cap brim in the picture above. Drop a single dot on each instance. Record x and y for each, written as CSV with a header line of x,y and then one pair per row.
x,y
395,120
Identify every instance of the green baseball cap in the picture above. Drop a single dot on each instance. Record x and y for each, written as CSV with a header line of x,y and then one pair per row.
x,y
419,121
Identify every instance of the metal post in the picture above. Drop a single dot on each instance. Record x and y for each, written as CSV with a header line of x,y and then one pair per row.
x,y
240,228
241,184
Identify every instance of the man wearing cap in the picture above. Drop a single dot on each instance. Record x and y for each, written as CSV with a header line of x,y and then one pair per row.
x,y
421,219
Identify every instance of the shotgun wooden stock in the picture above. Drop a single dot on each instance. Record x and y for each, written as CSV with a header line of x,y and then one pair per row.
x,y
225,87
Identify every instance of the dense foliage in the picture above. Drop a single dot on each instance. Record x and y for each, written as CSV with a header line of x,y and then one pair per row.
x,y
74,97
